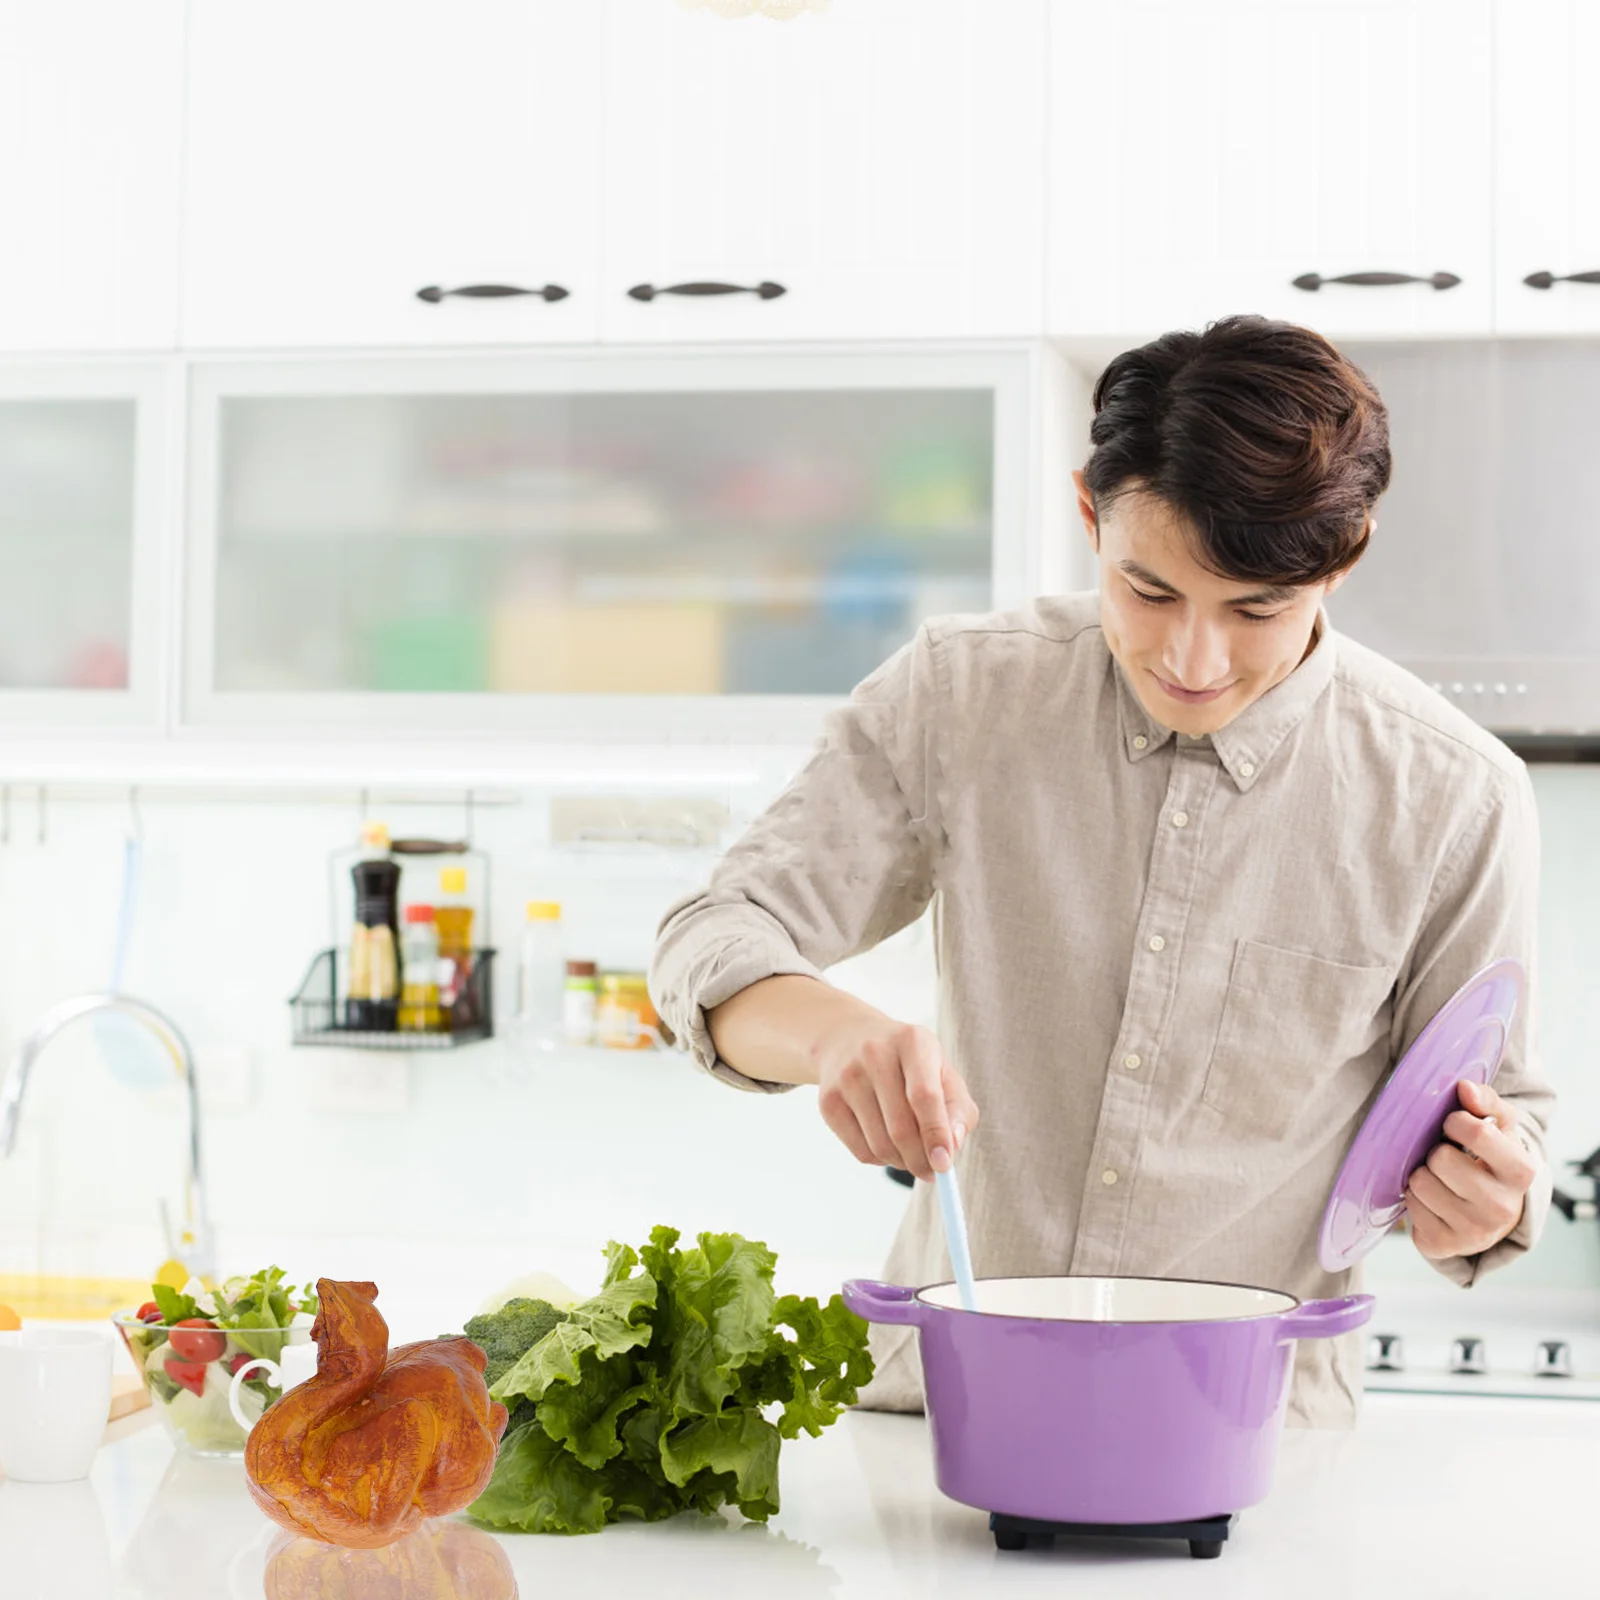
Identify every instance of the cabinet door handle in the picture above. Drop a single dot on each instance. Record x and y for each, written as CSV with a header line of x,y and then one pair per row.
x,y
1548,280
765,291
1312,281
433,294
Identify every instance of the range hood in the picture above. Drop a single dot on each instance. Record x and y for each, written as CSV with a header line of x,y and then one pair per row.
x,y
1483,576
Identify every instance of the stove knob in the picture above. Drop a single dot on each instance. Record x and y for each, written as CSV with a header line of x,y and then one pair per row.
x,y
1553,1359
1468,1357
1386,1353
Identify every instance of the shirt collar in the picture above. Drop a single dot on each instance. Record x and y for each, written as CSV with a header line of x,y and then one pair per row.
x,y
1248,743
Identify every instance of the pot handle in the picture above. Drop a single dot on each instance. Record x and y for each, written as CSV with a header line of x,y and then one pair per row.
x,y
1327,1319
882,1302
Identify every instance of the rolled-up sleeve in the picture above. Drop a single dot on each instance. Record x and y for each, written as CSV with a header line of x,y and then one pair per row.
x,y
1484,906
846,855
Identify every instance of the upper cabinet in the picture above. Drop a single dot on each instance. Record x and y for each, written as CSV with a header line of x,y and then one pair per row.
x,y
388,174
881,163
91,113
1212,156
1547,174
84,452
590,542
344,157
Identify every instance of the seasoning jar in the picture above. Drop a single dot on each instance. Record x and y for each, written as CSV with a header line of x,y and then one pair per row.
x,y
625,1018
419,973
581,1002
373,998
452,917
542,978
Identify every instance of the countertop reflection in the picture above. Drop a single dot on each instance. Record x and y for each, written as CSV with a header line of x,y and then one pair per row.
x,y
1429,1497
441,1560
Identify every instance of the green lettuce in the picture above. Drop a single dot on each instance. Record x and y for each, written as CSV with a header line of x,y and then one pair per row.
x,y
671,1390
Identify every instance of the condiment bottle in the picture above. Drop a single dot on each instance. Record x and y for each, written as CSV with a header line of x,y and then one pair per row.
x,y
542,978
626,1017
453,920
373,999
582,996
419,957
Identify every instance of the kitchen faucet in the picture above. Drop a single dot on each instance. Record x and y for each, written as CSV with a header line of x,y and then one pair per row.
x,y
198,1255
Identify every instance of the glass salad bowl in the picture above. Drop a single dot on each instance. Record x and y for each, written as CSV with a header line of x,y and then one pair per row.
x,y
189,1372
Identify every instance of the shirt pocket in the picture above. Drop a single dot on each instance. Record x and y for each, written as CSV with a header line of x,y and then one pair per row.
x,y
1290,1023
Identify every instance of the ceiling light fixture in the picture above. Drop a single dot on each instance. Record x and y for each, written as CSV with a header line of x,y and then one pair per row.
x,y
777,10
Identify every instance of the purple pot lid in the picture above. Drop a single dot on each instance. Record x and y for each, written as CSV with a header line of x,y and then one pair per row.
x,y
1465,1040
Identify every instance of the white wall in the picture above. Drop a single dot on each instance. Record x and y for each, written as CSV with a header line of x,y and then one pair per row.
x,y
479,1147
481,1150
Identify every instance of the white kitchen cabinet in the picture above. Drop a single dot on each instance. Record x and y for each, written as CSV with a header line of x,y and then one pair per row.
x,y
1547,166
1205,154
343,157
84,457
883,163
590,544
91,110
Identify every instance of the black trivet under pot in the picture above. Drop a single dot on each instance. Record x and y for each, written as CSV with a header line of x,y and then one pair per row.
x,y
1206,1535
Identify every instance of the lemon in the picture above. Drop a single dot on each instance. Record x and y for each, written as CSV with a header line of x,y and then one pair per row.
x,y
173,1274
9,1320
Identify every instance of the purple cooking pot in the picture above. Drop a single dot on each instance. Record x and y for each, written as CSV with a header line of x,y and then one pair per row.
x,y
1138,1400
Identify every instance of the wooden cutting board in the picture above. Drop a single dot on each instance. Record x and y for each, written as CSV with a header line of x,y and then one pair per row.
x,y
128,1395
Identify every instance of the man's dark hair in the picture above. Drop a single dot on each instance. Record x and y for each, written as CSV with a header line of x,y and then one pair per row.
x,y
1269,444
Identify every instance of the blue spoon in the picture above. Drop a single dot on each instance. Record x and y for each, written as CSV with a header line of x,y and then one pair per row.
x,y
955,1237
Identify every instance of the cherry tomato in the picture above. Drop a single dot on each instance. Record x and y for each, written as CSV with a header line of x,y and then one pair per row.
x,y
235,1362
149,1312
196,1339
191,1374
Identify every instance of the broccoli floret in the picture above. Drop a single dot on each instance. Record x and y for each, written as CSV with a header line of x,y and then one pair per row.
x,y
507,1335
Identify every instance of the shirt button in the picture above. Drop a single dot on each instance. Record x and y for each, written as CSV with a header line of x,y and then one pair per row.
x,y
1132,1061
1247,769
1157,943
1108,1177
1180,819
1140,742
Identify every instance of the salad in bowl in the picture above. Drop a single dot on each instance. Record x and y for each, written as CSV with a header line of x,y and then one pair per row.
x,y
189,1343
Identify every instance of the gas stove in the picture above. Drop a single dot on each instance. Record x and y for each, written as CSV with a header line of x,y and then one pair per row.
x,y
1544,1345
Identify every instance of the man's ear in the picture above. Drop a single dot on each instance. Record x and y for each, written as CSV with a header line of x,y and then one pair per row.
x,y
1086,511
1339,577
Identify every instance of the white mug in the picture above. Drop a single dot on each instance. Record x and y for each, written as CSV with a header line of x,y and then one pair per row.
x,y
299,1363
55,1397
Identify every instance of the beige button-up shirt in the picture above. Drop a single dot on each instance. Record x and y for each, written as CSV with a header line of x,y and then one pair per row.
x,y
1174,972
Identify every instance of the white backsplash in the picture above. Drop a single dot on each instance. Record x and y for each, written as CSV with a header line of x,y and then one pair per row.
x,y
484,1146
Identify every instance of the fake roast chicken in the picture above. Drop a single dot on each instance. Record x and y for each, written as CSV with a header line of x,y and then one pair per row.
x,y
379,1440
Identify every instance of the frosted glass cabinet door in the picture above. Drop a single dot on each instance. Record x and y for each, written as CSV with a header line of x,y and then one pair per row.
x,y
488,554
80,457
1205,154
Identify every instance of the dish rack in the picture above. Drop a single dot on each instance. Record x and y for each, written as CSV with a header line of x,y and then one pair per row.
x,y
318,1010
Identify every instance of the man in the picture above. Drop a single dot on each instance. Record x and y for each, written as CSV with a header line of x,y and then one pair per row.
x,y
1201,870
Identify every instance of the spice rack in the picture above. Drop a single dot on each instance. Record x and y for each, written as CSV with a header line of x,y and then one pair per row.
x,y
319,1011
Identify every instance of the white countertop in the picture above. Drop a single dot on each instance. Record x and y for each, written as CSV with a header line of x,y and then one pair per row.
x,y
1428,1497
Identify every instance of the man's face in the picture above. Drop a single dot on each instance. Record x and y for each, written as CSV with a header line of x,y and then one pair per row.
x,y
1196,648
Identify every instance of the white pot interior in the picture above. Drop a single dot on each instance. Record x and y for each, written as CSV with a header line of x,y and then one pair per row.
x,y
1114,1299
